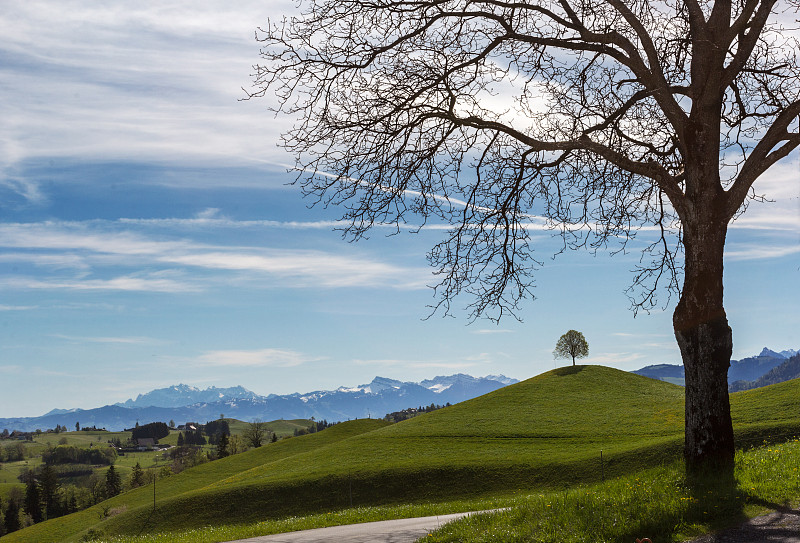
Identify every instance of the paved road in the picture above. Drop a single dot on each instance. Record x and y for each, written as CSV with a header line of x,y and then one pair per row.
x,y
781,526
405,530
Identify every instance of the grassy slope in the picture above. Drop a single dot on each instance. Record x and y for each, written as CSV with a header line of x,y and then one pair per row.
x,y
135,502
545,432
768,413
281,427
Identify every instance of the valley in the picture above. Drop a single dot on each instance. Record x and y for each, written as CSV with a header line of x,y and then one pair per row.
x,y
542,435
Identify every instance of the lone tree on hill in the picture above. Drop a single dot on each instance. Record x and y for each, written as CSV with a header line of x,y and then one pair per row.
x,y
595,119
572,344
255,433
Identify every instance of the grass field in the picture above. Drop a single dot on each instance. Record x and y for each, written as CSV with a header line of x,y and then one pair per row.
x,y
11,471
539,436
655,503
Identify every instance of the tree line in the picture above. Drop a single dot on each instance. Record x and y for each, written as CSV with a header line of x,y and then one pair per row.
x,y
45,496
412,412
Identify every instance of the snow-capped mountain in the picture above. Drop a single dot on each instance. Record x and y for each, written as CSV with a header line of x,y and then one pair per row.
x,y
183,403
180,395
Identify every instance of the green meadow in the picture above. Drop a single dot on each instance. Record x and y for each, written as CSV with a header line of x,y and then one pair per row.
x,y
576,429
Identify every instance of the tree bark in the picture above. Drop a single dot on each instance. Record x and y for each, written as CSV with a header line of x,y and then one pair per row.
x,y
705,341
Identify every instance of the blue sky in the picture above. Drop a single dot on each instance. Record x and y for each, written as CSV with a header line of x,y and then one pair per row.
x,y
148,237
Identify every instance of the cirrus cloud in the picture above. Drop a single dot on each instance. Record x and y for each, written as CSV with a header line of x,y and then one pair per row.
x,y
281,358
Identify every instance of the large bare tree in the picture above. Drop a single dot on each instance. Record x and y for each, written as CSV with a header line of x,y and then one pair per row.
x,y
598,119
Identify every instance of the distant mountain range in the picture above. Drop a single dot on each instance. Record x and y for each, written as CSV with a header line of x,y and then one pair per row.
x,y
182,395
766,368
183,403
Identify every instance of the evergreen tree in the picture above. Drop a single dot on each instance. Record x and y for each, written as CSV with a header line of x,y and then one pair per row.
x,y
222,446
196,437
155,430
180,439
48,487
113,482
33,499
11,518
137,476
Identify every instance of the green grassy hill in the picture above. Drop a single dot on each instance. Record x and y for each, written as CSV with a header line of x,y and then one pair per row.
x,y
546,432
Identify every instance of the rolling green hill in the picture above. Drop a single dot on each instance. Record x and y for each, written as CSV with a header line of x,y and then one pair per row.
x,y
546,432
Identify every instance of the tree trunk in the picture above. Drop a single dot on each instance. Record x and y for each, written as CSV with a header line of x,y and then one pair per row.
x,y
706,344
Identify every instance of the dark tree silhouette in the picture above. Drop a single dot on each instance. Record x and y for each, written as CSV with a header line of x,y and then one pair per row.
x,y
11,517
33,499
222,446
571,345
590,118
113,482
48,487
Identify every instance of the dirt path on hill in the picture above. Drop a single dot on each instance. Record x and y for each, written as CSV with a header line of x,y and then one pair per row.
x,y
782,526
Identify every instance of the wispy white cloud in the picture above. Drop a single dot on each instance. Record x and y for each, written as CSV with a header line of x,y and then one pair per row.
x,y
229,223
100,85
59,261
781,187
28,189
93,246
82,235
120,340
487,331
123,283
208,213
754,251
670,346
280,358
17,307
309,267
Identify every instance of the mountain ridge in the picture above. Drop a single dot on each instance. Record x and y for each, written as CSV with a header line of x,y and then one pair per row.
x,y
382,395
742,373
790,369
181,395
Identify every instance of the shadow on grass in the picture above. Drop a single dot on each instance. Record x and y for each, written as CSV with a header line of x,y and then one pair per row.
x,y
568,370
715,503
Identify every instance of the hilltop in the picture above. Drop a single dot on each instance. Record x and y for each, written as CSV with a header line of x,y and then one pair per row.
x,y
543,433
